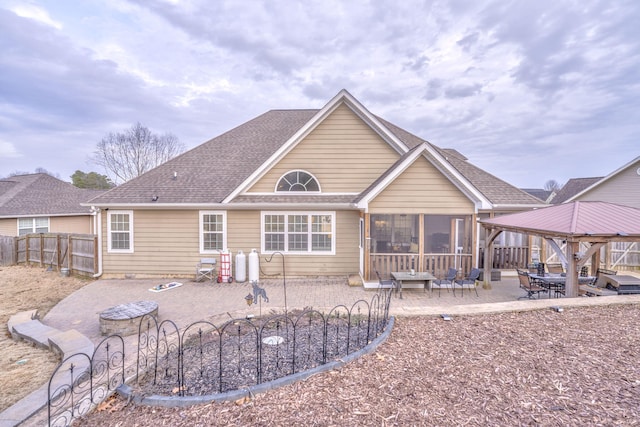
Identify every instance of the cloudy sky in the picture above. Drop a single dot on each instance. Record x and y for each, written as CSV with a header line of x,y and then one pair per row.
x,y
528,90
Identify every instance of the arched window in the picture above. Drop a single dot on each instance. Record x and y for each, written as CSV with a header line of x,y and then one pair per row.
x,y
298,181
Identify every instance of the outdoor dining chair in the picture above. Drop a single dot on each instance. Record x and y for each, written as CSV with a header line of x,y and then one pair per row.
x,y
447,280
471,278
385,283
529,285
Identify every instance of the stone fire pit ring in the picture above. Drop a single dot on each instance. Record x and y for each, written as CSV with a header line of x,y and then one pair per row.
x,y
124,319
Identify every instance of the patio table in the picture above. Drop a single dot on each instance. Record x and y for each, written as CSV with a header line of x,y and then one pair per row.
x,y
558,280
422,277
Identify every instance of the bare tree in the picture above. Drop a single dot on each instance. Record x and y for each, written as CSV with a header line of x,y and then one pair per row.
x,y
127,155
552,185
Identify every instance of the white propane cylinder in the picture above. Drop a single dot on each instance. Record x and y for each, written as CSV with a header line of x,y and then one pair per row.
x,y
241,267
254,266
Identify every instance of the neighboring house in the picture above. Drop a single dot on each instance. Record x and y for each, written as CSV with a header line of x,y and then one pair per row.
x,y
621,186
540,193
571,188
336,191
40,203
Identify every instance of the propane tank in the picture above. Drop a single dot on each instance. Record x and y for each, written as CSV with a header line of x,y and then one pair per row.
x,y
254,266
241,267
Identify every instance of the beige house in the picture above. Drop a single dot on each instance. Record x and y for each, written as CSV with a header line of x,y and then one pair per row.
x,y
40,203
621,186
336,191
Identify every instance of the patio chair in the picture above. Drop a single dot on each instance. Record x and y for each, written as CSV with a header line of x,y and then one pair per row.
x,y
206,269
555,268
471,278
529,285
385,283
446,280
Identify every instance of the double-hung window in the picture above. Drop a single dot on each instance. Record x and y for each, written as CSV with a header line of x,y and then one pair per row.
x,y
120,231
213,227
298,232
33,225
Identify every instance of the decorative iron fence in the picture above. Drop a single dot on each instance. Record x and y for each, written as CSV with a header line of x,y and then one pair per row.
x,y
207,359
81,381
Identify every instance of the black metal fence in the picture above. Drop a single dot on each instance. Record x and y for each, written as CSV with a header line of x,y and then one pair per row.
x,y
209,359
82,381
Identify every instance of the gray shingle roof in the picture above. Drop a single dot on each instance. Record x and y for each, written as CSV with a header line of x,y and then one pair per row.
x,y
539,193
210,172
41,194
573,187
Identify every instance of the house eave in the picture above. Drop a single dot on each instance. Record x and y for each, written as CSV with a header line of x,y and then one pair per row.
x,y
44,215
229,206
517,207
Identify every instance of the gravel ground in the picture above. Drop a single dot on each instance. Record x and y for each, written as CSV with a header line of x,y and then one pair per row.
x,y
542,368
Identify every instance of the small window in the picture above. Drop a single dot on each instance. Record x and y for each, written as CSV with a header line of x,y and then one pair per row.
x,y
298,181
213,236
120,231
33,225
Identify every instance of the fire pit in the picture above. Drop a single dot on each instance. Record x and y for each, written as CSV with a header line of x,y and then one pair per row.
x,y
124,319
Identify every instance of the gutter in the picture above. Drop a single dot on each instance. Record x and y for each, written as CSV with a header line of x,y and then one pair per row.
x,y
96,212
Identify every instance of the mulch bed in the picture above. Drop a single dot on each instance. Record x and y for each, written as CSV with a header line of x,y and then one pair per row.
x,y
543,368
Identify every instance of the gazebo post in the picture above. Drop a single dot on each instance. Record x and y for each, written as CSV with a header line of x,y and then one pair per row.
x,y
571,286
490,236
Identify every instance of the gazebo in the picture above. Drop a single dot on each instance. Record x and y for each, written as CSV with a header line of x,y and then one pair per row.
x,y
593,223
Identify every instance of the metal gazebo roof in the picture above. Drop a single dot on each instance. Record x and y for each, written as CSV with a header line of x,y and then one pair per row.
x,y
589,222
581,221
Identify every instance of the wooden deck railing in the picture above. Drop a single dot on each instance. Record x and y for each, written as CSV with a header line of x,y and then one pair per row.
x,y
507,257
436,264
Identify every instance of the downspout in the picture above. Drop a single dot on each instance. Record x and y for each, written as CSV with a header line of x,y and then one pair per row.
x,y
98,231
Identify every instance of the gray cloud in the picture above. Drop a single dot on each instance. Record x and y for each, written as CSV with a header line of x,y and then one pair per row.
x,y
491,79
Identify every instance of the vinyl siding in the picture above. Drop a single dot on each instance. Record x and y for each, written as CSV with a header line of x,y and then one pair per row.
x,y
63,224
622,189
166,243
71,224
343,153
8,227
421,188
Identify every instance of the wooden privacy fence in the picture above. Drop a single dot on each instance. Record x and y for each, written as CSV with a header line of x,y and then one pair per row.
x,y
7,250
76,252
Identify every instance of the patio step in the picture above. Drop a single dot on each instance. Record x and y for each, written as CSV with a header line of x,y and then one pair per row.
x,y
35,332
70,342
21,317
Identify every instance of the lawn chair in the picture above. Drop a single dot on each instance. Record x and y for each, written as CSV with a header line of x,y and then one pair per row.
x,y
206,269
474,274
529,285
446,280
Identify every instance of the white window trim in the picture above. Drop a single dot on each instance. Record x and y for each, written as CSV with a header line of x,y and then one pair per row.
x,y
201,231
33,224
119,251
275,190
310,233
